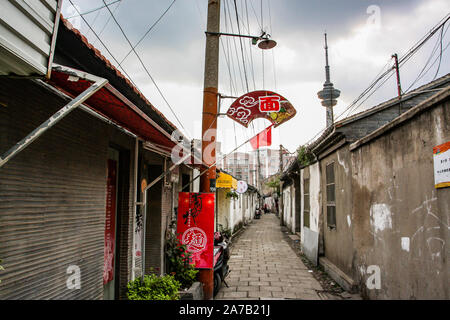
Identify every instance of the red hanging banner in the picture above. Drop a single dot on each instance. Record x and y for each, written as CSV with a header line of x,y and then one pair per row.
x,y
195,227
261,104
262,139
110,222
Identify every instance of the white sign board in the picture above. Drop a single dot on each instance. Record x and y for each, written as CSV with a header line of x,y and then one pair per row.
x,y
241,186
441,158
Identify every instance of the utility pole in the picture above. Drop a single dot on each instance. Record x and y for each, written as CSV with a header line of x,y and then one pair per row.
x,y
399,87
281,187
209,119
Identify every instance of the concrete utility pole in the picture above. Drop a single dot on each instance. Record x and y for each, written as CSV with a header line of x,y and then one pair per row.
x,y
209,120
281,187
399,87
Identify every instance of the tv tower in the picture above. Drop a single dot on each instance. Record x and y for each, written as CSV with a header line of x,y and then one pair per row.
x,y
329,94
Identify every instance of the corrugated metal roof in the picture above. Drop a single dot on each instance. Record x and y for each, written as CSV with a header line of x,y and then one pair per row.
x,y
27,29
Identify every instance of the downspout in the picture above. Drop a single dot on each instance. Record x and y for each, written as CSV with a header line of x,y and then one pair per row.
x,y
60,114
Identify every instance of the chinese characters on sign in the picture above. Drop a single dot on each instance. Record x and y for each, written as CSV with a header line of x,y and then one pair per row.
x,y
441,158
269,103
261,104
195,227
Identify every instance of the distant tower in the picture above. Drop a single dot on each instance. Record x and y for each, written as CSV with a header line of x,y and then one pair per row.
x,y
329,94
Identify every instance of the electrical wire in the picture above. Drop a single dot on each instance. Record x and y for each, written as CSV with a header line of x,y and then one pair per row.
x,y
93,10
146,70
107,22
402,61
240,41
148,31
103,44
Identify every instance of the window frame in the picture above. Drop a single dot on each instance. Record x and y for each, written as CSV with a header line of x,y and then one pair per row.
x,y
306,211
330,204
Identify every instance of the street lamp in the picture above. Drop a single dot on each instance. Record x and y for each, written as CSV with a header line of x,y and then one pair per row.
x,y
264,39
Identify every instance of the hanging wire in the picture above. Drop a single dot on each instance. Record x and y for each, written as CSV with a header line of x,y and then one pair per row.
x,y
411,52
146,70
148,31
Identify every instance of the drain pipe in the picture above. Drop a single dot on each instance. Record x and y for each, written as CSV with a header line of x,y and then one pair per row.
x,y
60,114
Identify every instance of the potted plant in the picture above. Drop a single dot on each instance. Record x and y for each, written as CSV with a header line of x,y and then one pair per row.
x,y
178,263
154,287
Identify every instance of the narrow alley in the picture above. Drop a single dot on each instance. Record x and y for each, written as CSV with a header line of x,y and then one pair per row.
x,y
264,266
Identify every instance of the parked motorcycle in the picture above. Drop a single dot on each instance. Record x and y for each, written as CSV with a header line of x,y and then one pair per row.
x,y
221,257
257,214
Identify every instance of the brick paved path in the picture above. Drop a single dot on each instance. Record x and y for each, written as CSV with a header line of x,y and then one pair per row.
x,y
264,266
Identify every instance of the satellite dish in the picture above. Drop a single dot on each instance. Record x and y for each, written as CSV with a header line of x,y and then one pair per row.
x,y
267,44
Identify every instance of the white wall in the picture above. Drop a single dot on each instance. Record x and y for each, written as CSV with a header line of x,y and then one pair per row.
x,y
314,189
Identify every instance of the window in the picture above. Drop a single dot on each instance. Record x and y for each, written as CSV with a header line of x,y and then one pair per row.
x,y
306,206
331,196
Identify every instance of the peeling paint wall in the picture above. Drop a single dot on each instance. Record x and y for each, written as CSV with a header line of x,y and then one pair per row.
x,y
400,221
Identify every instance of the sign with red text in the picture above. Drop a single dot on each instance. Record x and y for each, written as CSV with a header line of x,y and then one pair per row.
x,y
261,104
195,226
441,159
110,222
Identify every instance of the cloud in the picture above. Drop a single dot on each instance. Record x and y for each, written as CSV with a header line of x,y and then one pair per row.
x,y
359,49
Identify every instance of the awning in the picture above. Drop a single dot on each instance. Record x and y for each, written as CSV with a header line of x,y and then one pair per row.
x,y
226,181
111,104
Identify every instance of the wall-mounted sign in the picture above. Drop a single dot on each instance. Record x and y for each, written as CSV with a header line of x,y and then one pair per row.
x,y
226,181
241,186
195,227
261,104
441,158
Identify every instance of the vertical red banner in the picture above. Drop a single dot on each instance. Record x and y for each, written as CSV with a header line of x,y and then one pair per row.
x,y
110,222
195,226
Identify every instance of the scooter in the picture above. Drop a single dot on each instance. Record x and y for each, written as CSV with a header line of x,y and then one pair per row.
x,y
221,257
257,214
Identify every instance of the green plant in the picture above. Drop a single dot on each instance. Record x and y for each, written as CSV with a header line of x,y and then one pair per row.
x,y
238,226
274,183
154,287
304,156
231,194
178,259
226,232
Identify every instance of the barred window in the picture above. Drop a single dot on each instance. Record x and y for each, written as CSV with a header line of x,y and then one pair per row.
x,y
306,206
331,196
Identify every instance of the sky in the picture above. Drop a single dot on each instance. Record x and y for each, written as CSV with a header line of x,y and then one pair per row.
x,y
362,36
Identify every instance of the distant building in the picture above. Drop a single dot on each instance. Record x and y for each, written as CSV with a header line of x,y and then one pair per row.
x,y
244,166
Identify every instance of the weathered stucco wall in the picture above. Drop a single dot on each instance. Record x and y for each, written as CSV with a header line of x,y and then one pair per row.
x,y
400,221
314,196
338,244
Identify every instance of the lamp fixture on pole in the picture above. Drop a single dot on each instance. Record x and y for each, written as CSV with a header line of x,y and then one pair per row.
x,y
264,39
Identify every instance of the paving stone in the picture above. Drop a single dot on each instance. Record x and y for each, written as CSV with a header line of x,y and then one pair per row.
x,y
264,266
234,294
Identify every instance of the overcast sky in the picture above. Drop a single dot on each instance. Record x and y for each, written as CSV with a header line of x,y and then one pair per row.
x,y
362,36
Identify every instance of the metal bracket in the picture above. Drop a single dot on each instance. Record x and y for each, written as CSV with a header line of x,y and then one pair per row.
x,y
60,114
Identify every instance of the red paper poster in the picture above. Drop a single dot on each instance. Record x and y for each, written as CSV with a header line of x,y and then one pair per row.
x,y
195,226
261,104
110,223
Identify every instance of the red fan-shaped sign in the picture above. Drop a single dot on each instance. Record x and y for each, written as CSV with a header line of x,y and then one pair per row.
x,y
261,104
